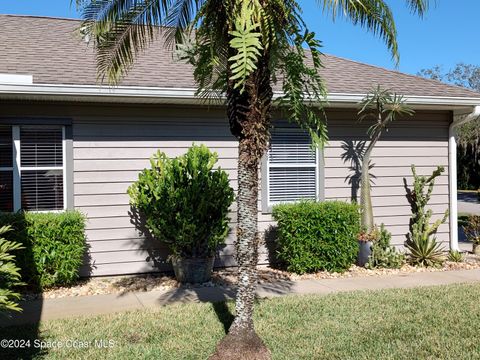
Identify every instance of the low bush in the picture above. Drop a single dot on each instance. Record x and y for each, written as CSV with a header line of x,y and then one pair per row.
x,y
316,236
54,246
383,254
9,273
185,202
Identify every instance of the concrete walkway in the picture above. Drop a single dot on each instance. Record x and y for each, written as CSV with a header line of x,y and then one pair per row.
x,y
49,309
468,203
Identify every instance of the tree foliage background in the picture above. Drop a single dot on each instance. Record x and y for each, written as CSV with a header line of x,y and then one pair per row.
x,y
467,76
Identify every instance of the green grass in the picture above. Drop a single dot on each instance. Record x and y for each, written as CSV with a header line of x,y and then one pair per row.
x,y
425,323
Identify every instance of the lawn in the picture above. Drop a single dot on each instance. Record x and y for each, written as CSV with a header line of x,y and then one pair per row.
x,y
425,323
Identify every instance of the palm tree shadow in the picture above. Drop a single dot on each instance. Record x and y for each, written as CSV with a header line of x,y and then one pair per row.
x,y
224,314
353,155
410,195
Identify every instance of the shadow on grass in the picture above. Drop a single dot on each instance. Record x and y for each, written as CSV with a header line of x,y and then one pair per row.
x,y
219,297
224,314
24,342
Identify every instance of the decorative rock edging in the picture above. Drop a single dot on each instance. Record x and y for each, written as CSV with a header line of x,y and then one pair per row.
x,y
227,278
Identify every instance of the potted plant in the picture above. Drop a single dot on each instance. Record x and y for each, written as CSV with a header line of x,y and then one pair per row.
x,y
365,244
472,232
184,203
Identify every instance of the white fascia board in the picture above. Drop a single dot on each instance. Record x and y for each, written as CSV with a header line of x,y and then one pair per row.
x,y
412,100
135,94
93,90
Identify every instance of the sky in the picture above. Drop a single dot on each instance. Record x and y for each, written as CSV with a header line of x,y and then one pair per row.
x,y
447,35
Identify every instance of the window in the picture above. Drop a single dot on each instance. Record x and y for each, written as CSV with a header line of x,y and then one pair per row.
x,y
6,168
292,168
32,168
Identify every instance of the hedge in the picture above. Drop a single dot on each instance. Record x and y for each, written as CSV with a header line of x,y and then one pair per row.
x,y
54,246
315,236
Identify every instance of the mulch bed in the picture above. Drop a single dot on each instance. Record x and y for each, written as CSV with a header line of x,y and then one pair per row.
x,y
226,278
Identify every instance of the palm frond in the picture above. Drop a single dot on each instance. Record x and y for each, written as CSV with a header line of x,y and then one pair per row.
x,y
120,29
419,7
374,15
180,17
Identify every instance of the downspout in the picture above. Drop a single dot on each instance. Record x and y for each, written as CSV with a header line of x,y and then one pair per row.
x,y
452,171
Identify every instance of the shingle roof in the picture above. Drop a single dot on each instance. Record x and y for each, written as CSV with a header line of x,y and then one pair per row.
x,y
52,51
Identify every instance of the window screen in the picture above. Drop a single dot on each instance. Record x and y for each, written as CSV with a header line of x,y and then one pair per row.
x,y
41,170
292,166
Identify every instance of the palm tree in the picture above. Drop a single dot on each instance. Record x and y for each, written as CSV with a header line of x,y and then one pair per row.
x,y
382,107
238,49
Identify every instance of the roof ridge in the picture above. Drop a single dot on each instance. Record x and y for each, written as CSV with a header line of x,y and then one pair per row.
x,y
416,77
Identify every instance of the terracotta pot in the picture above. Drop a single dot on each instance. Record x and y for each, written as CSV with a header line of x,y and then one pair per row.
x,y
476,249
193,270
364,252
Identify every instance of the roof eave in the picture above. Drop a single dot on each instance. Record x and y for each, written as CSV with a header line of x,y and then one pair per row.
x,y
133,94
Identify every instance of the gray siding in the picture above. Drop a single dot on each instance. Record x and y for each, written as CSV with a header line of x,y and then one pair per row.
x,y
112,144
421,140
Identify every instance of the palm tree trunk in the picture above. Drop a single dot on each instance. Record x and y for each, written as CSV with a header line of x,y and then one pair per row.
x,y
367,220
247,238
249,117
365,196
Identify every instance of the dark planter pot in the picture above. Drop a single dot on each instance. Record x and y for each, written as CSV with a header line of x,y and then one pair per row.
x,y
193,270
364,252
476,249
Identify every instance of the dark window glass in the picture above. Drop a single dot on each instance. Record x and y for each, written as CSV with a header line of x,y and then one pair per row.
x,y
6,147
6,191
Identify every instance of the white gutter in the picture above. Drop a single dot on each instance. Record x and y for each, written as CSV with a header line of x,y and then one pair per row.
x,y
452,171
97,93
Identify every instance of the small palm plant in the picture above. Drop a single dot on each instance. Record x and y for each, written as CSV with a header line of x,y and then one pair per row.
x,y
382,107
421,241
9,273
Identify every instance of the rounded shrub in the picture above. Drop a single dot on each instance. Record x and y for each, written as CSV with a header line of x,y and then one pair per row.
x,y
314,236
54,246
184,202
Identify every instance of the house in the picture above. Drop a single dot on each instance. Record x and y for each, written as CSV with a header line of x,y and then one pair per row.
x,y
69,143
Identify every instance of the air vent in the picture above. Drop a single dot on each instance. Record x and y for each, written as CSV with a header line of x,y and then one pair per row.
x,y
16,79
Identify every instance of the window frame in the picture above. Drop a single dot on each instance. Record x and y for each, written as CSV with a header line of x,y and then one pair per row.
x,y
319,167
67,159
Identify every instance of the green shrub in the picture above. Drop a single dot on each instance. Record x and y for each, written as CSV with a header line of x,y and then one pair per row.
x,y
383,254
185,202
317,236
54,246
9,273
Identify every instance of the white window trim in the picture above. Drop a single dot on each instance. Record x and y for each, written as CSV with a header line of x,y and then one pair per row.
x,y
317,165
18,168
17,184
